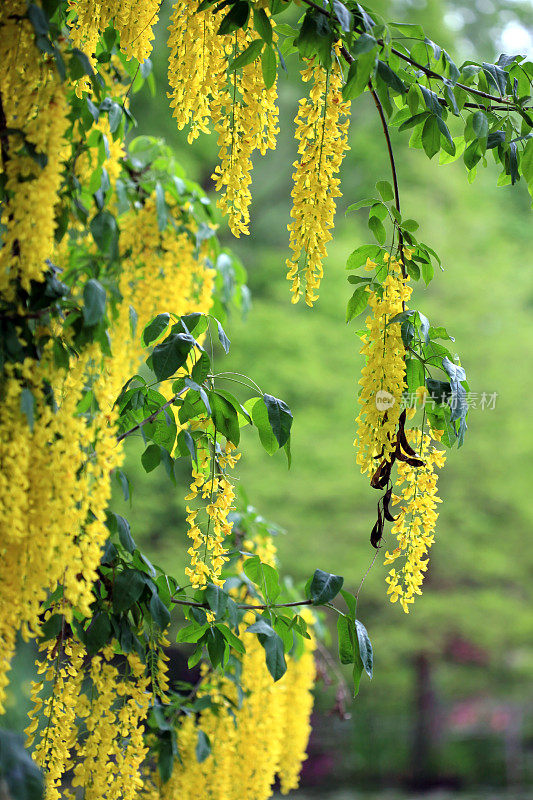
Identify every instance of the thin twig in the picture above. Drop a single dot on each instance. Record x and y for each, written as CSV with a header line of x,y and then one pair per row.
x,y
246,606
152,417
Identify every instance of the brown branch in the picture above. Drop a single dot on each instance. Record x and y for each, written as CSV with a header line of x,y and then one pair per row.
x,y
246,606
152,417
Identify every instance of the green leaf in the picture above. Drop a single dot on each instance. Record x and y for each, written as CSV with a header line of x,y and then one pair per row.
x,y
200,371
159,612
357,302
279,417
480,125
252,52
358,279
224,341
264,576
217,600
363,44
365,648
414,374
269,67
258,411
366,203
378,229
263,25
225,418
359,74
431,136
236,18
346,637
27,406
155,329
171,354
127,589
124,533
151,458
94,302
275,656
104,230
389,76
385,190
231,639
360,255
203,747
114,115
527,162
192,633
356,675
98,633
351,602
324,587
343,15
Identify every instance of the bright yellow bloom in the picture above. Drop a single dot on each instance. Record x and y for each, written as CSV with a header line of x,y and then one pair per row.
x,y
415,525
322,133
382,377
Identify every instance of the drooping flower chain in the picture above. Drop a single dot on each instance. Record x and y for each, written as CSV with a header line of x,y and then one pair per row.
x,y
382,376
417,498
322,134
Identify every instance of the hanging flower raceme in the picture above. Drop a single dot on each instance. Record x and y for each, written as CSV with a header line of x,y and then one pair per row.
x,y
322,134
210,485
257,731
245,116
33,150
90,722
196,66
382,377
416,489
134,21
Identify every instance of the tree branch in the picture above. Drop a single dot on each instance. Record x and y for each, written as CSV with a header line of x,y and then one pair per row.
x,y
245,606
152,417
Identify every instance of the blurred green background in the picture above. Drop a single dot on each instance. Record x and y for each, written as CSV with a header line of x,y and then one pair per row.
x,y
451,703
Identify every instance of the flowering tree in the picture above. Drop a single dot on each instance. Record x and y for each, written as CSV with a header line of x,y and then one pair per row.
x,y
114,292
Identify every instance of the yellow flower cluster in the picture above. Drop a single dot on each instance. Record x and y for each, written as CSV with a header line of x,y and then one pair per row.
x,y
210,483
133,20
53,498
416,521
92,722
244,113
196,65
322,133
250,745
382,377
32,154
245,116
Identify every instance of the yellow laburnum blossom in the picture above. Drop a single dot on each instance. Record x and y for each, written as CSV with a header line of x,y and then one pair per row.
x,y
92,721
53,498
196,65
322,133
210,486
133,20
415,525
382,377
245,116
35,109
250,745
62,669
